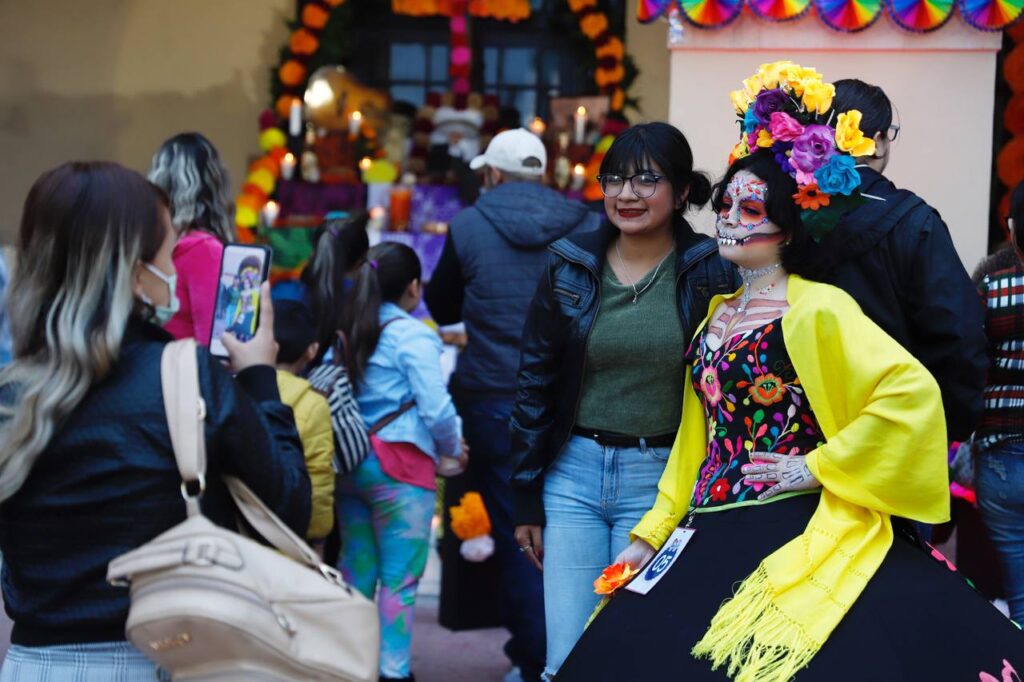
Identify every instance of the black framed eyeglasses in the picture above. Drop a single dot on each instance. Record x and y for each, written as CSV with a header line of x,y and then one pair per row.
x,y
893,132
643,184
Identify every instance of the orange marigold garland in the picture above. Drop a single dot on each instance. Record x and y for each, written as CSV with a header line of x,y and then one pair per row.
x,y
303,43
609,50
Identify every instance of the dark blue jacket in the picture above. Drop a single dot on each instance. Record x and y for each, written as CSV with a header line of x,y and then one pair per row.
x,y
108,483
492,260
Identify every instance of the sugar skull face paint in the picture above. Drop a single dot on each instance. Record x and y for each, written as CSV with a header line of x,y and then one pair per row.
x,y
743,203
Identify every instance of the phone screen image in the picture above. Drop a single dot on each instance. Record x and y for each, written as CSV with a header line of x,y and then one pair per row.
x,y
243,268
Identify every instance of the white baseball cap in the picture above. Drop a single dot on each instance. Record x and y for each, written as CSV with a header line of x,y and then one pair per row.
x,y
509,151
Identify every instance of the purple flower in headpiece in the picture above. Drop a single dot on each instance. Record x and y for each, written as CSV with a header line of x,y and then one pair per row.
x,y
779,149
811,151
768,102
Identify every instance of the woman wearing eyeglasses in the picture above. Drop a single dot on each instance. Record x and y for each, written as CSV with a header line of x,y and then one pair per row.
x,y
600,384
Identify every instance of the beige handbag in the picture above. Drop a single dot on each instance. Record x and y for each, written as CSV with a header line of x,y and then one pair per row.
x,y
209,604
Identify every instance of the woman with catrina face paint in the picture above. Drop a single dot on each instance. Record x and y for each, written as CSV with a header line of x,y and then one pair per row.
x,y
805,429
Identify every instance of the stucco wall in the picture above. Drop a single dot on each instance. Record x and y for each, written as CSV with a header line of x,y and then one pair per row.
x,y
942,85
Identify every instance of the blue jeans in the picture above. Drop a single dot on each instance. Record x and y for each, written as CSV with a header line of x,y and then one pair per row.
x,y
593,497
485,427
999,479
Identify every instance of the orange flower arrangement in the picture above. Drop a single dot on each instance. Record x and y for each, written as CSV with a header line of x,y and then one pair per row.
x,y
613,76
618,99
614,577
578,5
283,106
315,17
810,198
469,517
335,3
292,73
303,42
594,25
612,48
266,163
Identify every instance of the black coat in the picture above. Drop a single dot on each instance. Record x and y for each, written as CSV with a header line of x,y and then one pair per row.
x,y
108,483
896,259
554,345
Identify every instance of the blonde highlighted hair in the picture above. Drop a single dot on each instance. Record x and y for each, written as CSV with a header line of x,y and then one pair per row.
x,y
188,168
84,230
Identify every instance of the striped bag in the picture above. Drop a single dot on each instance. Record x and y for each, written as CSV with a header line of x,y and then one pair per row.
x,y
351,442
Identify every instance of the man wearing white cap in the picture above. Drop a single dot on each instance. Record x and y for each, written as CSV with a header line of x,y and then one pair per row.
x,y
493,257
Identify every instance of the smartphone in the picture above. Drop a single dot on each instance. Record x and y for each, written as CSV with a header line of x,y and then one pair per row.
x,y
243,268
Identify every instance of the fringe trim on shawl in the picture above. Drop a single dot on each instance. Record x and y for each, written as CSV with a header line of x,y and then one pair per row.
x,y
754,638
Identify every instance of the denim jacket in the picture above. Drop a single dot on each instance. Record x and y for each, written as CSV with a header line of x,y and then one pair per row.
x,y
406,366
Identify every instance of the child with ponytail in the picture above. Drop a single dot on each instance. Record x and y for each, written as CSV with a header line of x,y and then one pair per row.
x,y
386,504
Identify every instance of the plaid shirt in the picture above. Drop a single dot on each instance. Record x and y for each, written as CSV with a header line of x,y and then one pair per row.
x,y
1003,419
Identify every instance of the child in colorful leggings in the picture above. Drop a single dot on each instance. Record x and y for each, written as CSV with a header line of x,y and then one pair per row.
x,y
386,504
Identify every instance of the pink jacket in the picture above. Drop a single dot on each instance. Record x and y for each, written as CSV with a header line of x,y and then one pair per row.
x,y
197,259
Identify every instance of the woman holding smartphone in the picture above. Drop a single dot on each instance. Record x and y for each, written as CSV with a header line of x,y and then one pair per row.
x,y
601,374
87,470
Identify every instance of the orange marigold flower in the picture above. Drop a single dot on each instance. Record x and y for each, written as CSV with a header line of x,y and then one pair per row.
x,y
315,17
303,42
335,3
618,99
579,5
614,577
266,163
613,76
283,106
810,198
594,25
612,48
469,517
292,73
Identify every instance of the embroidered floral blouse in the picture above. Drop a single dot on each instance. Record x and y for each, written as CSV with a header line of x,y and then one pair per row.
x,y
753,402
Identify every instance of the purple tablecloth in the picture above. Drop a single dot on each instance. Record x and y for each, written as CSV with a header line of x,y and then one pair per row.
x,y
309,199
427,246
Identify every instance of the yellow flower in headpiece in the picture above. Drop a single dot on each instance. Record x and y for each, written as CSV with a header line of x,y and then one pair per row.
x,y
818,96
773,75
799,77
849,137
741,150
764,139
752,86
740,101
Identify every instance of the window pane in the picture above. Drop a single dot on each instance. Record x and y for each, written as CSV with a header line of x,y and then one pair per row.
x,y
491,55
520,66
408,61
414,94
526,102
552,69
439,63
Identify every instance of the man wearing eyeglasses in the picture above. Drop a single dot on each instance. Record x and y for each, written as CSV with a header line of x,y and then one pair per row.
x,y
895,256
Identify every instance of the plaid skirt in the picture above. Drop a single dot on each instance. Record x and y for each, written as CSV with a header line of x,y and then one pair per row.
x,y
100,662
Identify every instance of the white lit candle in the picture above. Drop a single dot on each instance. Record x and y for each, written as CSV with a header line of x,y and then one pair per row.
x,y
537,126
365,164
355,123
288,166
578,172
295,118
580,120
270,211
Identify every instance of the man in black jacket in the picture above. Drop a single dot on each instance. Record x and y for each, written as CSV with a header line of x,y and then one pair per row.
x,y
494,256
894,255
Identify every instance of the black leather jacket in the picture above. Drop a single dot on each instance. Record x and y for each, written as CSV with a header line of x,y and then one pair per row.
x,y
554,345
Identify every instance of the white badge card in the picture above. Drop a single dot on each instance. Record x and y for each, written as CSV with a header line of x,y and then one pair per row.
x,y
662,561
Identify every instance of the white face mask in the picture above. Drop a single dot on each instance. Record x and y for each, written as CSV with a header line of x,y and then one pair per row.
x,y
163,314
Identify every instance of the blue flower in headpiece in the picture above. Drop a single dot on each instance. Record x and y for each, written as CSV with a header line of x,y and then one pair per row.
x,y
750,121
838,176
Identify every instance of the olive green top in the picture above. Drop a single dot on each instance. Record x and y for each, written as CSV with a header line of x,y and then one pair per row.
x,y
633,379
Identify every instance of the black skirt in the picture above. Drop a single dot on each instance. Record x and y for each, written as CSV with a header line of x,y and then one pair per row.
x,y
917,619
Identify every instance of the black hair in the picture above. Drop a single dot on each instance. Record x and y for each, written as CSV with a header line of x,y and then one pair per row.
x,y
870,100
664,145
294,329
801,255
1017,213
250,262
383,277
340,245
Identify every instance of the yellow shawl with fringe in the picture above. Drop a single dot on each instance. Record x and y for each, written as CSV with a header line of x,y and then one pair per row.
x,y
881,413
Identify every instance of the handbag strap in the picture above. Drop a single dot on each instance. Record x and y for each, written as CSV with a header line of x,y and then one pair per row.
x,y
390,417
186,413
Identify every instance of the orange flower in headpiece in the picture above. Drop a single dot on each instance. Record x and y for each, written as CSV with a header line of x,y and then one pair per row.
x,y
303,42
810,198
292,73
614,577
314,17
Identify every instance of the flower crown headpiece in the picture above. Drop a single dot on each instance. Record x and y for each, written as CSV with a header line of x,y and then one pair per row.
x,y
787,109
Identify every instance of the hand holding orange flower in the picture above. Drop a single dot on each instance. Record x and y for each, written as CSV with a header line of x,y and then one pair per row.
x,y
614,577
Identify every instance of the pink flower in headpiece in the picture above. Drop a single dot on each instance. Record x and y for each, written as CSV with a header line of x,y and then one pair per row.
x,y
784,128
812,150
752,138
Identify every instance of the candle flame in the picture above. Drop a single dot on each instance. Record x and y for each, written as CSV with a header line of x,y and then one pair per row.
x,y
365,163
288,158
579,169
377,212
357,116
271,205
581,111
